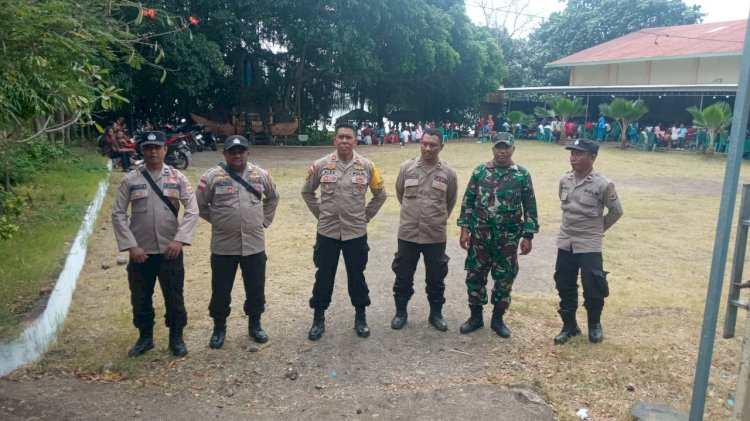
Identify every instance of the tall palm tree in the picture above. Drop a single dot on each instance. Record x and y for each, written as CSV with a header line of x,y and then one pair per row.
x,y
562,107
714,117
518,117
625,112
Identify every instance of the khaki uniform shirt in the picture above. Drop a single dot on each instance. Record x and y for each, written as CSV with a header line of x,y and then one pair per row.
x,y
237,217
583,220
341,210
152,226
427,196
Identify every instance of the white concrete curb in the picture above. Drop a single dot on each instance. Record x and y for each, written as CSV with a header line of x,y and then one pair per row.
x,y
36,339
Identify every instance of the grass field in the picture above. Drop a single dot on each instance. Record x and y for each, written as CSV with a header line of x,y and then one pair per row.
x,y
658,254
56,201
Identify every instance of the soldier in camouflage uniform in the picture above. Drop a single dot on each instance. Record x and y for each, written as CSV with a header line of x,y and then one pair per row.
x,y
498,211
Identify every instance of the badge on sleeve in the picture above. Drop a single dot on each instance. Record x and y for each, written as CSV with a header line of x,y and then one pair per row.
x,y
310,171
611,193
376,183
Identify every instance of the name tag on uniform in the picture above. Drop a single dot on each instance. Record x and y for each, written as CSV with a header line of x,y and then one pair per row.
x,y
224,189
439,185
411,182
358,179
138,191
329,179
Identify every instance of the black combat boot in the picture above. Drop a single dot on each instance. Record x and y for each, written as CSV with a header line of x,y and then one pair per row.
x,y
144,343
176,344
436,317
218,335
570,326
594,313
360,322
497,323
475,321
256,331
318,325
399,320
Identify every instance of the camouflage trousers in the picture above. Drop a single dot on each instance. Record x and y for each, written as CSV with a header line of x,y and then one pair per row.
x,y
496,255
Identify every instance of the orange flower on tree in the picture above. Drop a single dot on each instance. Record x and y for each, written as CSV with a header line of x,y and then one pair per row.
x,y
193,20
149,13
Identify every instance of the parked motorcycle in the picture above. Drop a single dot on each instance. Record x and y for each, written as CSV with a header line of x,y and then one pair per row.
x,y
178,153
201,135
181,131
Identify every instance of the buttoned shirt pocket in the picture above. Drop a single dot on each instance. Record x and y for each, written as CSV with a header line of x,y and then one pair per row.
x,y
225,196
258,186
328,186
139,200
438,190
411,187
590,205
359,184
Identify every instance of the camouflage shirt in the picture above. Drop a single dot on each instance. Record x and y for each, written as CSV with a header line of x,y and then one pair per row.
x,y
499,199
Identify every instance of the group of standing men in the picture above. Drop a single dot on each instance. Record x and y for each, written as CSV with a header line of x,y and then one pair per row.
x,y
239,199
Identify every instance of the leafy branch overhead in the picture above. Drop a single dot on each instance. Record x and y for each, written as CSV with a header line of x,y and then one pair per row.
x,y
58,56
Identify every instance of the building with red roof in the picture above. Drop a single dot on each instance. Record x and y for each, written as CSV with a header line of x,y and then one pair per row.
x,y
706,53
671,68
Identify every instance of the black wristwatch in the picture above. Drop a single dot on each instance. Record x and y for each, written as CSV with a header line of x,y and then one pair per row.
x,y
528,236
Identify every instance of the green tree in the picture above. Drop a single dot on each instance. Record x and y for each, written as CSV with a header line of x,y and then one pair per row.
x,y
715,117
518,117
624,111
563,108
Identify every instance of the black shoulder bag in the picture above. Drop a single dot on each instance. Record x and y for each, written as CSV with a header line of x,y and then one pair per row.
x,y
158,191
239,179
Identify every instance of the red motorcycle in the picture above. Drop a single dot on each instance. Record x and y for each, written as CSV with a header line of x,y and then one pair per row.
x,y
178,152
182,132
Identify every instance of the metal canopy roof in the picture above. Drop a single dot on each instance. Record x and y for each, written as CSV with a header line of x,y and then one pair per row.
x,y
629,90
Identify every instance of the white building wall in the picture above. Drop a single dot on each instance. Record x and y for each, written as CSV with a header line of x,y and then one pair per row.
x,y
631,74
659,72
588,75
719,70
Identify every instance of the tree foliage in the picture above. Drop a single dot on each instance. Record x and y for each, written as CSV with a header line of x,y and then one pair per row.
x,y
715,117
518,117
624,111
311,58
57,57
564,108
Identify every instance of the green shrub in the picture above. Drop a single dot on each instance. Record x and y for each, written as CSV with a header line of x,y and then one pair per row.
x,y
319,137
20,162
11,208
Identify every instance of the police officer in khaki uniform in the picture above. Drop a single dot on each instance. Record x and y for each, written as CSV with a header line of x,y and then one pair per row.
x,y
426,188
584,194
342,213
154,236
238,213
